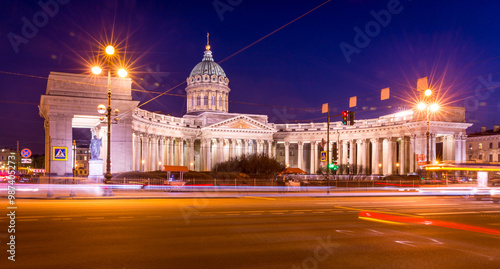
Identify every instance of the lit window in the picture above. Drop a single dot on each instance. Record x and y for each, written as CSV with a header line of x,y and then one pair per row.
x,y
480,145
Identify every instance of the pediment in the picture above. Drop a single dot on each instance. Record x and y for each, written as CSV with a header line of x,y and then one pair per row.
x,y
241,122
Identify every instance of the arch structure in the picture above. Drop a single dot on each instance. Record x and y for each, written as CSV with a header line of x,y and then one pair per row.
x,y
208,134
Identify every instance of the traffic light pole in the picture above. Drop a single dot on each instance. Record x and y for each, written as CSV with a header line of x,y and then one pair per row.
x,y
328,151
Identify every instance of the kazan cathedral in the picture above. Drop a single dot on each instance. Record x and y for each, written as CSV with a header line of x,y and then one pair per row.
x,y
209,134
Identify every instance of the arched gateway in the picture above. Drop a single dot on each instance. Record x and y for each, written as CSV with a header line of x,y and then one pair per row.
x,y
208,133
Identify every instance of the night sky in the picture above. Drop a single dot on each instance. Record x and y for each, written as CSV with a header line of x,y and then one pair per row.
x,y
455,43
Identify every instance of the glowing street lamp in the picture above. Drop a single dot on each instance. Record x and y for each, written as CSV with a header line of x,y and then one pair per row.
x,y
428,107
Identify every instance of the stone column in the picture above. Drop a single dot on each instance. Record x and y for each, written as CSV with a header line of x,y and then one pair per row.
x,y
359,156
181,152
232,148
376,148
208,152
154,152
273,149
164,153
168,144
244,146
352,156
287,153
144,152
300,145
313,158
149,160
402,156
269,148
137,151
411,154
366,157
344,161
388,155
220,153
316,158
190,148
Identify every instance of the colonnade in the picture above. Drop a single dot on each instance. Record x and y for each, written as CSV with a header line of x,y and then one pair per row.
x,y
151,151
382,155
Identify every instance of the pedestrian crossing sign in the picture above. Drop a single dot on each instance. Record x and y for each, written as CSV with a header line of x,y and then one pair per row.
x,y
323,156
59,153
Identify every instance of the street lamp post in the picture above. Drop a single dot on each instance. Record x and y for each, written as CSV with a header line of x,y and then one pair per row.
x,y
110,51
428,107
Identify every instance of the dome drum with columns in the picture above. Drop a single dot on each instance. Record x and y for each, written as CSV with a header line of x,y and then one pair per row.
x,y
207,88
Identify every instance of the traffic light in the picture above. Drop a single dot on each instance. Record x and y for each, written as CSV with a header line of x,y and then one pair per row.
x,y
351,117
334,152
331,166
344,117
335,166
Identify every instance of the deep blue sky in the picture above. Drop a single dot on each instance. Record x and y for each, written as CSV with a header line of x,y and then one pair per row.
x,y
455,43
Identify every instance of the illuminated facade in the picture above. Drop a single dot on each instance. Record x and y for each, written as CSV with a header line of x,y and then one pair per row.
x,y
209,134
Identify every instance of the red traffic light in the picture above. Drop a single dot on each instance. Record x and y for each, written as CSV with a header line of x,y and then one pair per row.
x,y
344,113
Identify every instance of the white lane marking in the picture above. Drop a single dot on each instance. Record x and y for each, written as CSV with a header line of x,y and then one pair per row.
x,y
494,211
277,213
31,217
232,214
28,220
255,214
298,212
447,213
125,217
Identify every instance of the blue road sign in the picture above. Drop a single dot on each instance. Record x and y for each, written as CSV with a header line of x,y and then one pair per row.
x,y
26,153
59,153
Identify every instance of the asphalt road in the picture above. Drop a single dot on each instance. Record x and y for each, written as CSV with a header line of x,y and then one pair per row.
x,y
255,232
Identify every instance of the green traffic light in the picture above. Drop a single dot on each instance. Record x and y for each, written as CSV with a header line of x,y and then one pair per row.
x,y
331,166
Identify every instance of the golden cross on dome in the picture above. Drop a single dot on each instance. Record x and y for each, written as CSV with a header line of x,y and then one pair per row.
x,y
207,47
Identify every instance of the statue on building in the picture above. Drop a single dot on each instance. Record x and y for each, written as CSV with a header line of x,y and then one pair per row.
x,y
95,148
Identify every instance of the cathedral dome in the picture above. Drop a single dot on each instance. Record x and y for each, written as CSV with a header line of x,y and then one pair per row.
x,y
207,86
208,67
